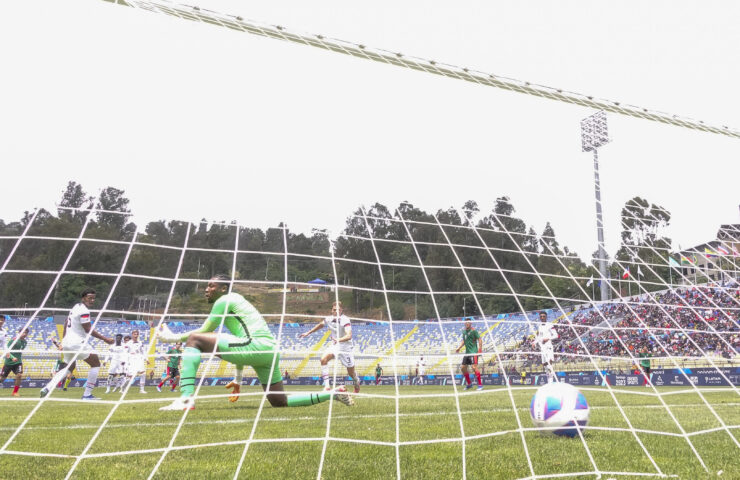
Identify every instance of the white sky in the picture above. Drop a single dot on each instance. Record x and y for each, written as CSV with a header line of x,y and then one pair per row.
x,y
197,121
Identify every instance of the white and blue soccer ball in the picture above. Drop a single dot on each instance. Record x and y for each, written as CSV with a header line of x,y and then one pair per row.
x,y
560,408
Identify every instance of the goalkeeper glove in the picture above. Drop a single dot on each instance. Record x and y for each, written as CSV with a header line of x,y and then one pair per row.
x,y
235,390
165,335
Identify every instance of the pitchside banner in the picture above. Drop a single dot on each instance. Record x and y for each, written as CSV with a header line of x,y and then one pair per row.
x,y
702,377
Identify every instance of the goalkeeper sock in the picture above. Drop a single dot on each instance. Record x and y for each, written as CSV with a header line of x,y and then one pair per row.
x,y
67,381
190,364
309,399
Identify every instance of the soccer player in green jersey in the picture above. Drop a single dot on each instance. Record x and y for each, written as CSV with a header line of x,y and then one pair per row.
x,y
173,367
645,364
378,373
473,344
13,361
236,332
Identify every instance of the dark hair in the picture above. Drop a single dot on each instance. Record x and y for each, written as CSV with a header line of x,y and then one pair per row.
x,y
221,278
87,292
119,335
543,313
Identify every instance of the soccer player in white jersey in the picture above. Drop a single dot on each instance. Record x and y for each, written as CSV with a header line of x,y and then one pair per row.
x,y
116,360
421,366
137,351
341,344
75,346
545,335
3,332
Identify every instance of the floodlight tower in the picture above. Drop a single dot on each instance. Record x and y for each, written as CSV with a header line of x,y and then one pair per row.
x,y
594,134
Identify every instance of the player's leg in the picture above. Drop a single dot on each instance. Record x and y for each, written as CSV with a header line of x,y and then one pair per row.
x,y
3,375
70,375
175,380
325,359
159,387
476,370
142,380
348,360
464,368
92,375
18,378
355,379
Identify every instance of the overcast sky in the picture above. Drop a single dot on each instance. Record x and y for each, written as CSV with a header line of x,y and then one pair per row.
x,y
198,121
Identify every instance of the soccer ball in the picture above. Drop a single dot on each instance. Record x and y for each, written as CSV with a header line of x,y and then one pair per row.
x,y
559,405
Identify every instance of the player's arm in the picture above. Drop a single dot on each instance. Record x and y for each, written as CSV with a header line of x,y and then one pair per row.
x,y
462,344
87,327
480,344
215,319
315,328
347,336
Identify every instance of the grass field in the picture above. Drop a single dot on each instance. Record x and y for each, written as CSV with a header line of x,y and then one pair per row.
x,y
289,442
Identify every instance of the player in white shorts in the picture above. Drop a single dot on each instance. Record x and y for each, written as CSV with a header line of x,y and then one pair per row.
x,y
75,346
116,360
137,360
545,335
421,366
341,344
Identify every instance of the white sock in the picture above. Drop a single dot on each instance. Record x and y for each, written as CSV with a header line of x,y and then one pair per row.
x,y
92,378
325,375
58,377
142,380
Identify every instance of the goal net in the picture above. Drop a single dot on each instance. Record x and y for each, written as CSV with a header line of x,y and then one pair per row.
x,y
651,340
409,281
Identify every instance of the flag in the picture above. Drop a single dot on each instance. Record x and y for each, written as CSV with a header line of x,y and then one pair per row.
x,y
709,253
722,250
672,263
639,271
590,281
626,273
686,260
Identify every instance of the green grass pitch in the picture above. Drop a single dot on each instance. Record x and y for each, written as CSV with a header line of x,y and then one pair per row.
x,y
289,442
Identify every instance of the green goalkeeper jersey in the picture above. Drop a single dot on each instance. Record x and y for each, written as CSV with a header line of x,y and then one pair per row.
x,y
239,317
20,344
173,361
470,338
645,359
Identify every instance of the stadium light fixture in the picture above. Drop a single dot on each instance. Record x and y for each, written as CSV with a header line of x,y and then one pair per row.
x,y
594,134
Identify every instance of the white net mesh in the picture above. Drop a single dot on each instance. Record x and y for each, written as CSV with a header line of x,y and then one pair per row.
x,y
420,267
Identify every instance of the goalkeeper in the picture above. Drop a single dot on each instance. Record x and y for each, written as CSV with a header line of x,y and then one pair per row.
x,y
249,343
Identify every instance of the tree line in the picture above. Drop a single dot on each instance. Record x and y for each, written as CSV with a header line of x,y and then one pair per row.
x,y
507,263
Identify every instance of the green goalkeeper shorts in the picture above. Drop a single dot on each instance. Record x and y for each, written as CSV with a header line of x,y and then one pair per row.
x,y
259,353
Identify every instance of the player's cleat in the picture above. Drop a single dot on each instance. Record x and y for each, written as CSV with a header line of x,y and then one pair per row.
x,y
89,397
15,394
235,390
107,390
159,389
340,395
357,388
480,387
64,389
186,403
143,391
44,392
469,386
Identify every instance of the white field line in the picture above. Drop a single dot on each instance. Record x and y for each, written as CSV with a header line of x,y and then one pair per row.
x,y
362,416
